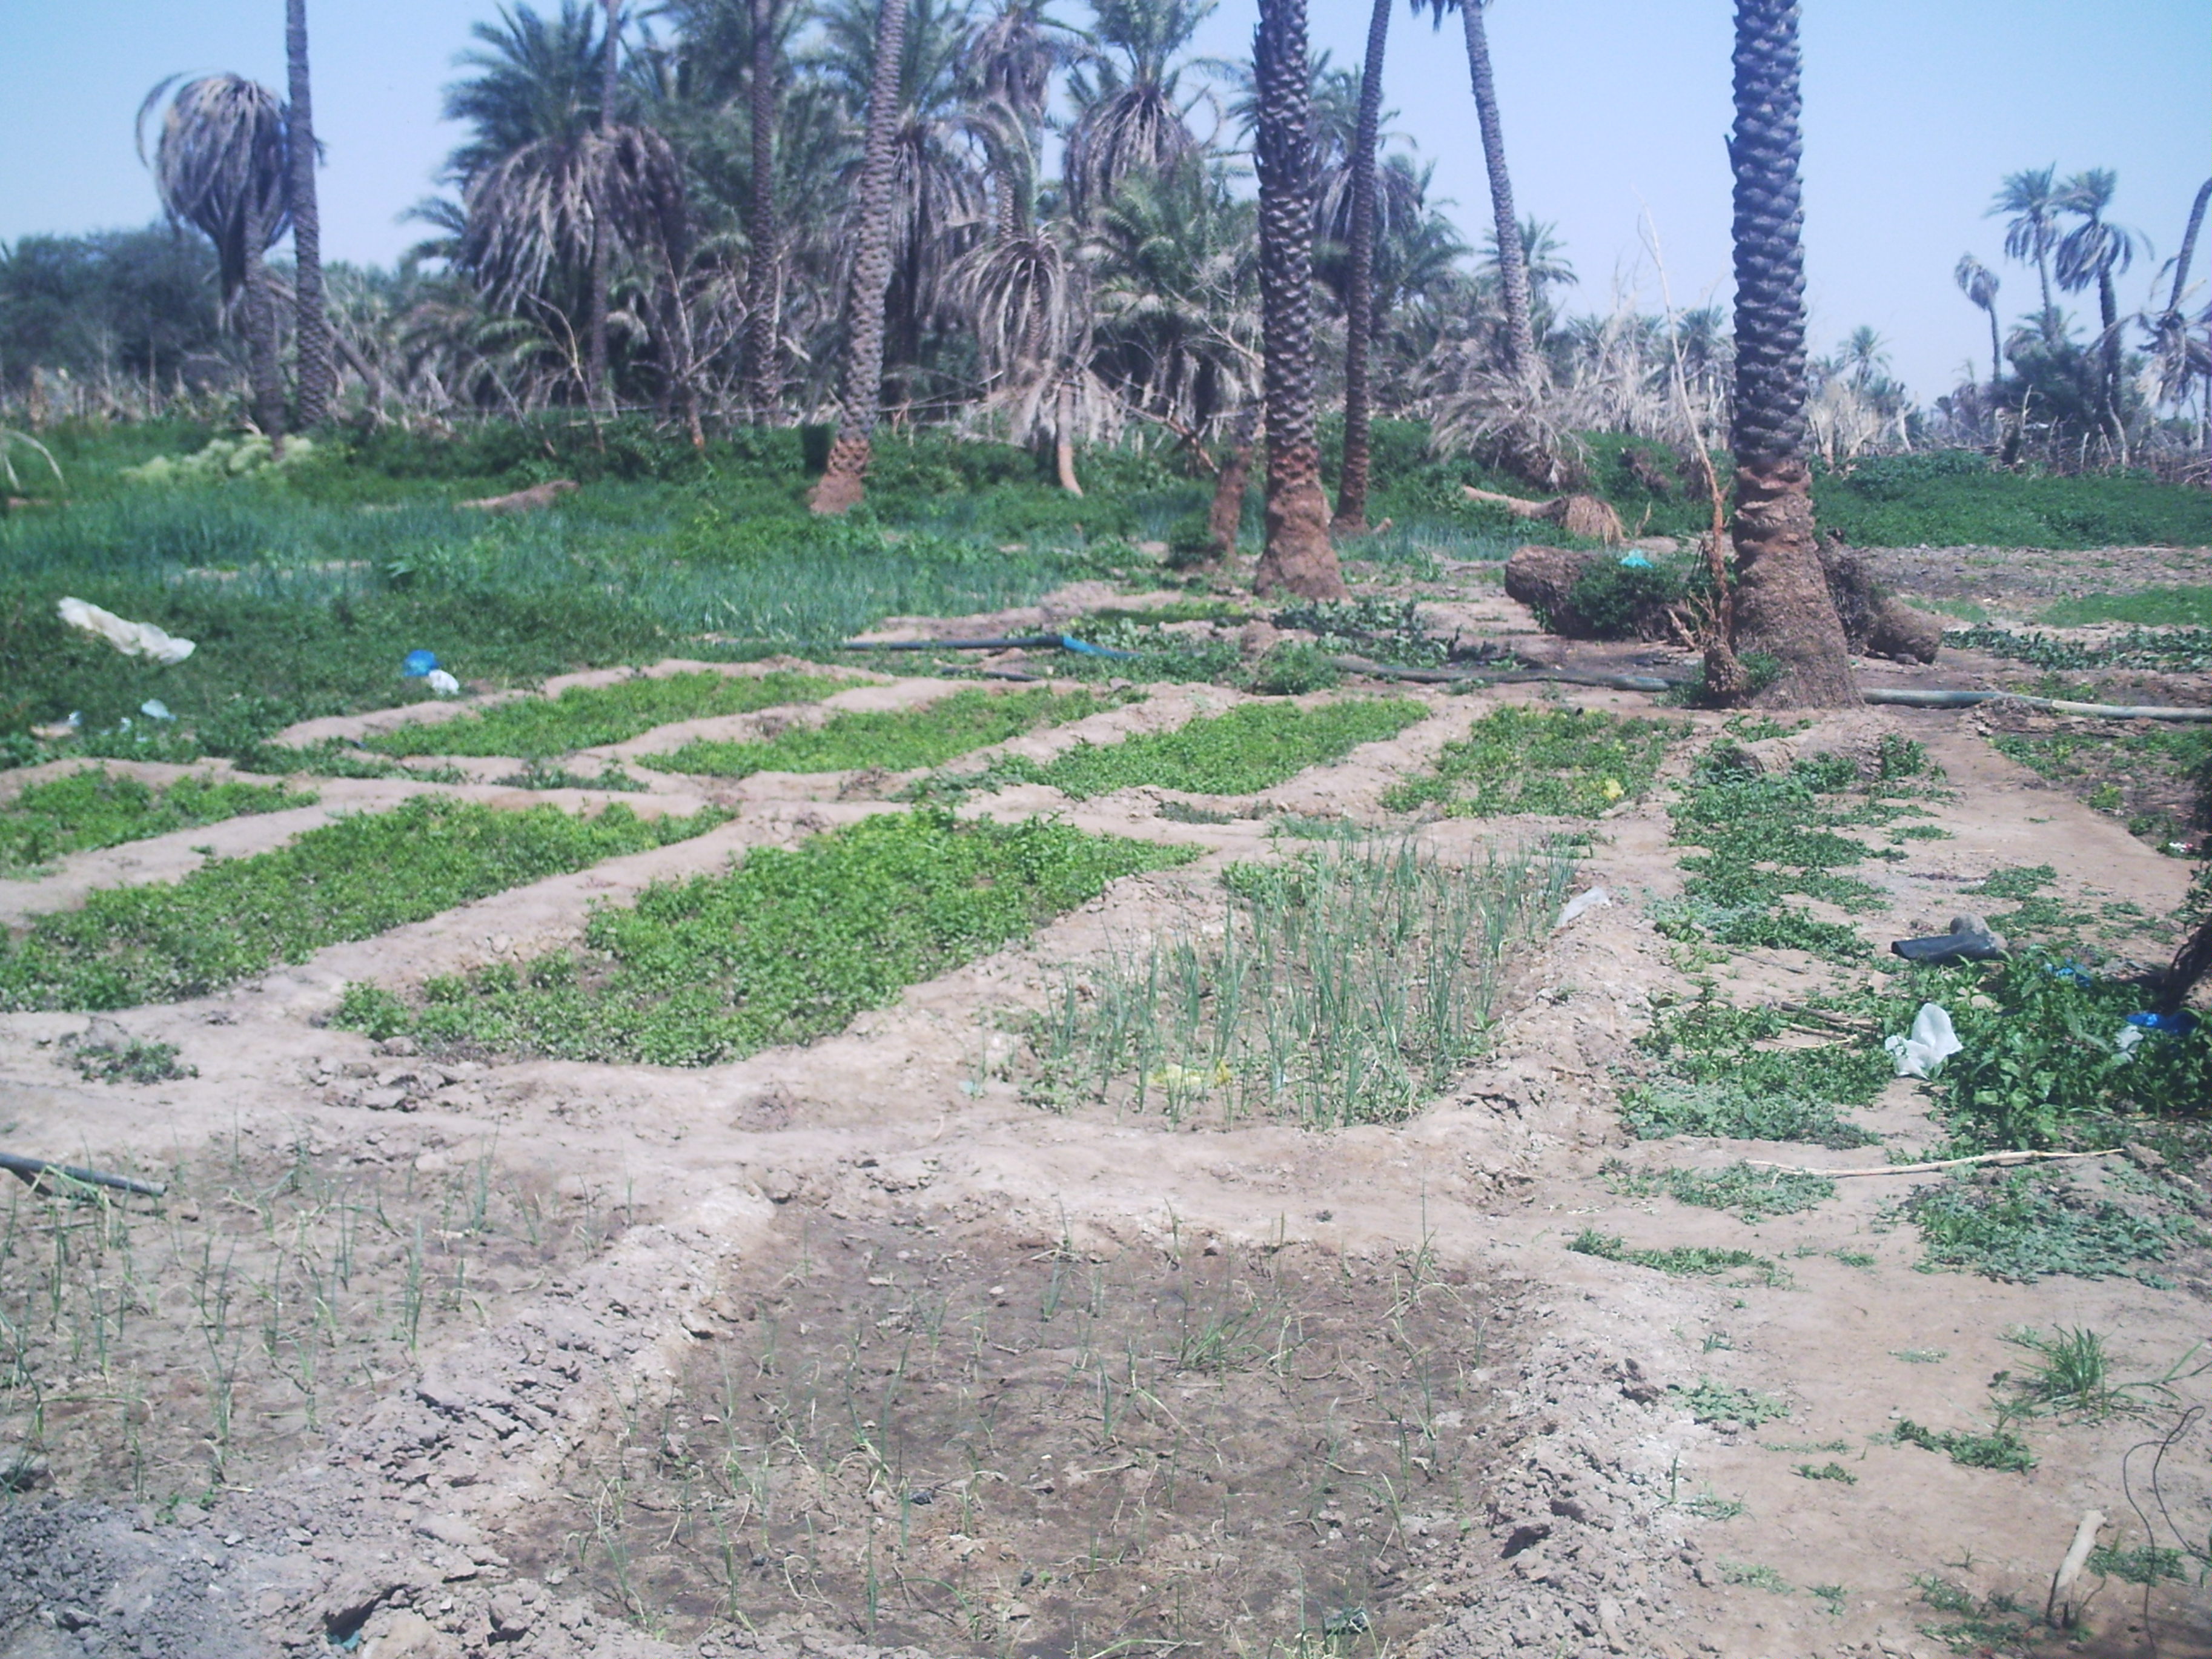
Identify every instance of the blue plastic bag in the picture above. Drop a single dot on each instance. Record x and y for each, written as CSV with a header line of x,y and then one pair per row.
x,y
418,664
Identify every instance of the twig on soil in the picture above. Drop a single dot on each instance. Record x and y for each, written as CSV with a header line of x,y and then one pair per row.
x,y
1935,1163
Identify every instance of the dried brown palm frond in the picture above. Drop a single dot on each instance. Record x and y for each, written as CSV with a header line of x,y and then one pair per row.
x,y
541,209
220,164
1521,422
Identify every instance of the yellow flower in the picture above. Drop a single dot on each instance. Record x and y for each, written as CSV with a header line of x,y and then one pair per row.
x,y
1613,789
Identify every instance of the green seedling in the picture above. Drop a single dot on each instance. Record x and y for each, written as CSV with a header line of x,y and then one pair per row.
x,y
94,807
1999,1448
1753,1577
1828,1471
1754,1194
1254,746
895,741
1716,1403
1686,1259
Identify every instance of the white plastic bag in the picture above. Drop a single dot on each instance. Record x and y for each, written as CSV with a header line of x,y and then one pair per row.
x,y
1581,903
442,682
1921,1052
131,638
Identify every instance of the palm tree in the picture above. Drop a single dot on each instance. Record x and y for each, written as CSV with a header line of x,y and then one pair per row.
x,y
2090,252
759,374
1359,298
311,325
220,164
554,191
595,305
1781,607
1520,342
1127,120
1298,556
843,481
2179,355
2030,199
1979,284
1176,296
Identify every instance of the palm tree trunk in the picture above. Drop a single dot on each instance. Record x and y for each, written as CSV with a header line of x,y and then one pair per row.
x,y
1225,518
264,371
1512,260
1063,438
1359,295
843,484
595,320
1782,604
2050,310
312,324
1996,355
2188,254
1299,558
759,392
2108,314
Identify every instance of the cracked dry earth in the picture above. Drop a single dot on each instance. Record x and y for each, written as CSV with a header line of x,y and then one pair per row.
x,y
849,1350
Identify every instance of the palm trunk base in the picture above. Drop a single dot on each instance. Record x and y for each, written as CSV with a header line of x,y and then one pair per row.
x,y
1299,559
1224,518
1783,609
843,484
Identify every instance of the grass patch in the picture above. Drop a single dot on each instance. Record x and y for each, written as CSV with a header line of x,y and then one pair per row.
x,y
1684,1260
1347,986
234,918
787,946
1565,763
1984,1625
2150,607
2171,651
2147,1564
1999,1448
1718,1404
1751,1575
1754,1194
1958,498
94,807
135,1060
1770,837
2023,1226
1254,746
1829,1471
589,717
1721,1072
895,741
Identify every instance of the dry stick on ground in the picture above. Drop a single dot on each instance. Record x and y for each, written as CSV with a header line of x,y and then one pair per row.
x,y
1936,1164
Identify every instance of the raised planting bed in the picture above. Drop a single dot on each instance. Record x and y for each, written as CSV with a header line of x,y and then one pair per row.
x,y
787,946
896,741
588,717
94,807
234,918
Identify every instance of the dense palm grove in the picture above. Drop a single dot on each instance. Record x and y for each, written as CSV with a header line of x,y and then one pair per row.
x,y
669,210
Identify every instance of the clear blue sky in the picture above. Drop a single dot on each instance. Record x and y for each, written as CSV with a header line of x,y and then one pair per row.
x,y
1914,109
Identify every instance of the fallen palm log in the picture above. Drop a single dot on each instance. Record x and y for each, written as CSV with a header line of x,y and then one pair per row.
x,y
522,501
1576,514
1905,697
1933,1164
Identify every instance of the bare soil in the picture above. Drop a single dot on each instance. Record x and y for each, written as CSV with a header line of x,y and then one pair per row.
x,y
848,1349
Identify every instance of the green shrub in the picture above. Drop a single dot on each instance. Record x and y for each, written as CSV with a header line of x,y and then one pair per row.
x,y
1293,669
1957,497
1617,601
2021,1226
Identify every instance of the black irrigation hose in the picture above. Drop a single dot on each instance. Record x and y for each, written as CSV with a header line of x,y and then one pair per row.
x,y
1060,642
1508,676
1903,697
32,1169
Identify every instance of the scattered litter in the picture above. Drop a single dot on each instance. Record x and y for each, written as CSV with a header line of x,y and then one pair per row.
x,y
1931,1042
420,665
132,639
1635,561
442,682
2130,1036
155,708
1582,903
61,729
2071,971
1970,940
